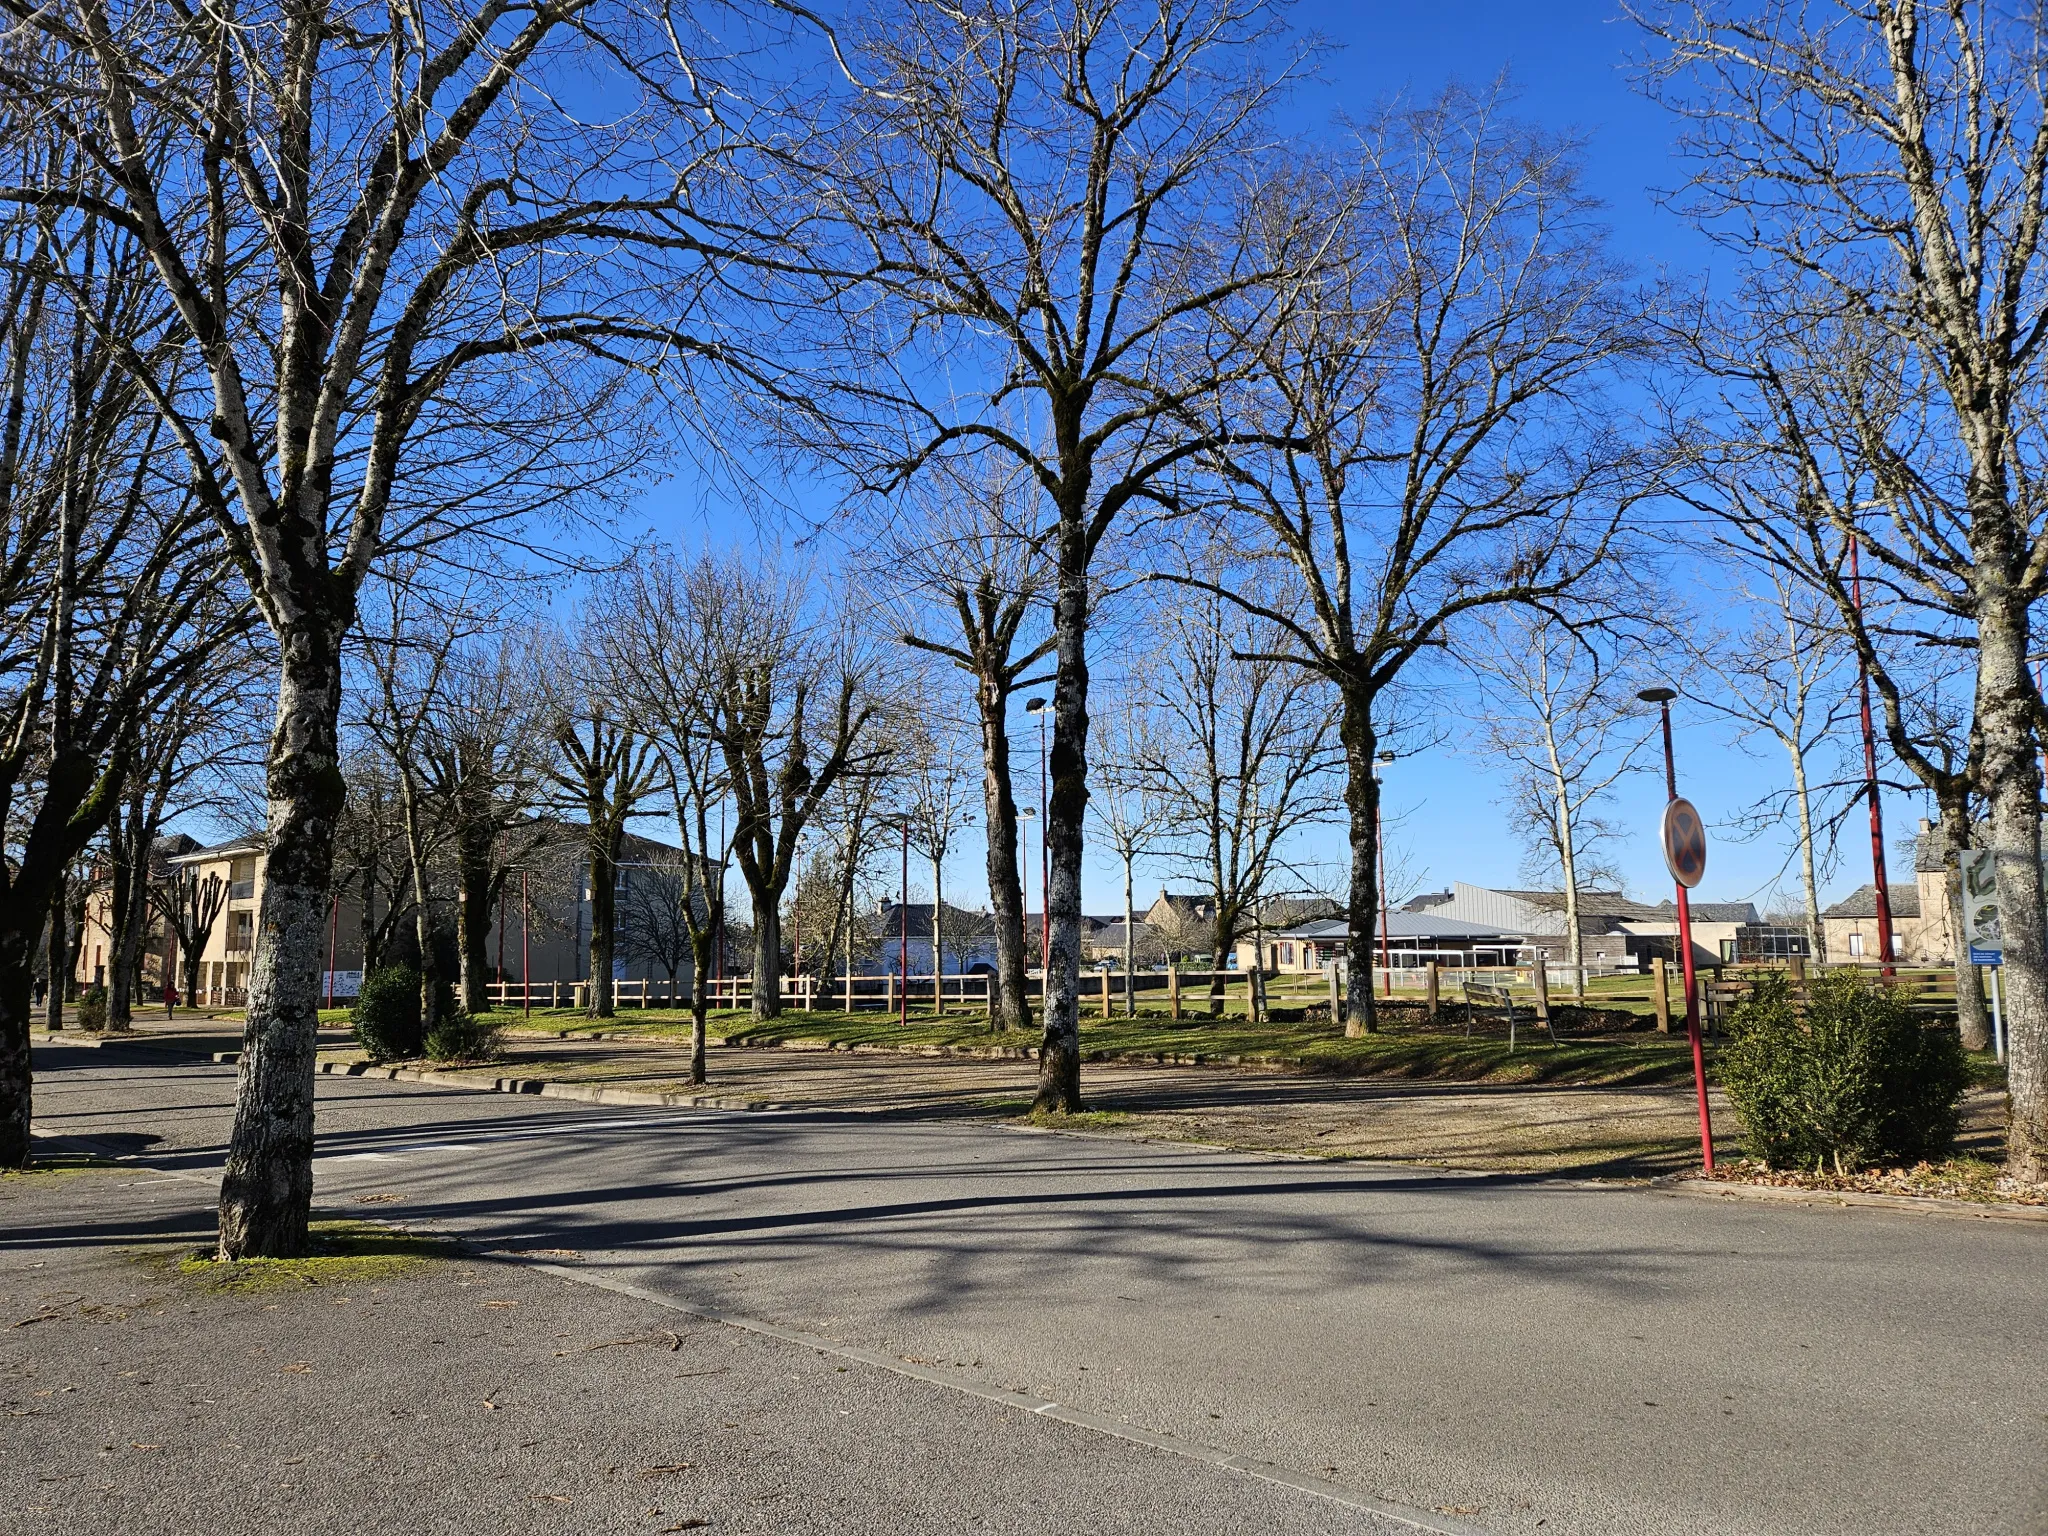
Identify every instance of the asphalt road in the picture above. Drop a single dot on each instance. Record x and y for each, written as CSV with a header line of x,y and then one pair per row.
x,y
1490,1353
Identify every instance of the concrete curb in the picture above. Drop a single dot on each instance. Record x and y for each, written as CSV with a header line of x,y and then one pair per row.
x,y
1918,1205
583,1093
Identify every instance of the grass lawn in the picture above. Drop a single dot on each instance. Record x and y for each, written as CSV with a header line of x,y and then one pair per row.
x,y
1400,1051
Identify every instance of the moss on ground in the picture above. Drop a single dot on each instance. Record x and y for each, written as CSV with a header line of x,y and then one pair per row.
x,y
343,1253
56,1165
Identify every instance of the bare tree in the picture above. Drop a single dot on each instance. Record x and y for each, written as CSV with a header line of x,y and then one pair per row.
x,y
1242,753
410,646
659,652
398,258
1875,388
1128,809
655,922
1430,432
937,808
1559,709
984,588
608,769
1040,199
488,750
788,703
111,581
1779,675
177,754
190,906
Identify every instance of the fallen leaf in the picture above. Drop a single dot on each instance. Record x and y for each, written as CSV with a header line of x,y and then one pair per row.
x,y
297,1367
501,1303
137,1445
681,1466
376,1199
553,1498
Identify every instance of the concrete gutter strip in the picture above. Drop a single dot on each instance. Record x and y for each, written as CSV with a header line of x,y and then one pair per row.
x,y
1919,1205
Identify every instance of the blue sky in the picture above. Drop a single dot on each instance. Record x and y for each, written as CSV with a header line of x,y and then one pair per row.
x,y
1567,61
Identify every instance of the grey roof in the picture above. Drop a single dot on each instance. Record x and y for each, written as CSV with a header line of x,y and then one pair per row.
x,y
1400,925
1862,902
1723,912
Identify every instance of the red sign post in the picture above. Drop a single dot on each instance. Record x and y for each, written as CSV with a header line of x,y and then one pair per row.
x,y
1685,855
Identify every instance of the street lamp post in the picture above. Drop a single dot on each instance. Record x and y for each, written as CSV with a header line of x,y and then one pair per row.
x,y
1880,882
1037,707
1025,816
525,944
1379,842
903,927
1689,858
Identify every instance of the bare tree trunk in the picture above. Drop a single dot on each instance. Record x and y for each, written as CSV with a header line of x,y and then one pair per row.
x,y
2013,774
267,1186
1568,864
1816,935
604,901
120,996
1011,1011
474,845
58,958
1130,946
938,939
768,957
700,996
1222,933
1362,803
1059,1054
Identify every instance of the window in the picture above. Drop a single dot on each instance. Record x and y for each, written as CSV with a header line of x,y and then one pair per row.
x,y
1856,944
1287,954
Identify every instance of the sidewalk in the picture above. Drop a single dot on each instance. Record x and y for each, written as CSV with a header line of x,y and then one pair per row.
x,y
458,1394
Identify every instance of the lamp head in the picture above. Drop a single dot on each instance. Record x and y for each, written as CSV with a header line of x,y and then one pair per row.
x,y
1658,695
1028,812
1034,706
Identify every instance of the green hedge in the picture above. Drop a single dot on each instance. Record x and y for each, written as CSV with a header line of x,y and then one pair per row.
x,y
386,1017
1856,1079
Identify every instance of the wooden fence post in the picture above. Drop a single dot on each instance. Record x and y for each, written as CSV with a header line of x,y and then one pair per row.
x,y
1173,988
1660,991
1429,988
1540,974
1336,999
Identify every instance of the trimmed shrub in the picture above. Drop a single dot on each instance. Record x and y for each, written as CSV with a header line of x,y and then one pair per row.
x,y
459,1036
92,1009
1856,1079
386,1017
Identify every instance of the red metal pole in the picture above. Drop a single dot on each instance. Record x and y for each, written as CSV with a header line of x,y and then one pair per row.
x,y
1692,995
903,913
1879,882
525,948
333,937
